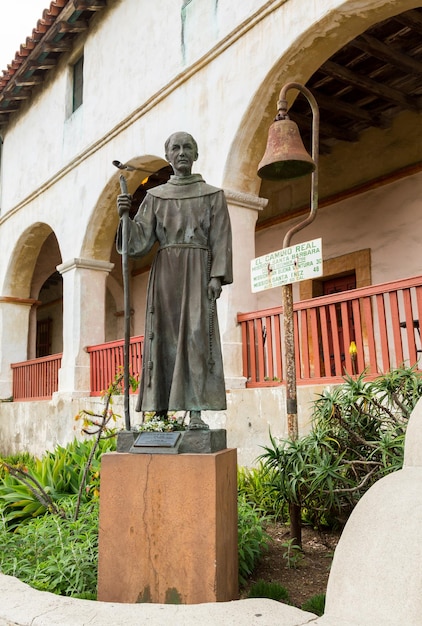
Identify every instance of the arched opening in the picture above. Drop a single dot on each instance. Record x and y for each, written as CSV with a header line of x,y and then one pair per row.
x,y
32,275
367,93
300,62
365,78
143,173
367,87
45,336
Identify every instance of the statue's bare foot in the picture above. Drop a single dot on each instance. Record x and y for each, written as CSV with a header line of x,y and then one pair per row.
x,y
195,421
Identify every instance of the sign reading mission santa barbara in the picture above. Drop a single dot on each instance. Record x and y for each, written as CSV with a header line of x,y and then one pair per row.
x,y
289,265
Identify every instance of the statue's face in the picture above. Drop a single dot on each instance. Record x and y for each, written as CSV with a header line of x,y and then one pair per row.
x,y
181,153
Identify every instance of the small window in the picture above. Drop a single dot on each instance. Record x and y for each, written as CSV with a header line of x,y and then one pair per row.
x,y
78,83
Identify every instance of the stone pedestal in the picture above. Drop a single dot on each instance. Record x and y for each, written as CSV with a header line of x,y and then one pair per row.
x,y
168,528
189,441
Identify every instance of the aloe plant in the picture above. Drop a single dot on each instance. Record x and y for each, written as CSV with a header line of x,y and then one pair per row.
x,y
357,437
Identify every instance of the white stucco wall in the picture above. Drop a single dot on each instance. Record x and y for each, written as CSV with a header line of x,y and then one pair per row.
x,y
387,220
251,415
215,71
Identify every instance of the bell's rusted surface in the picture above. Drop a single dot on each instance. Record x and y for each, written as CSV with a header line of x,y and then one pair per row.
x,y
285,156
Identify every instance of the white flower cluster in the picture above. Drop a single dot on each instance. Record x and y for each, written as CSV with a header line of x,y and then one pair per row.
x,y
160,424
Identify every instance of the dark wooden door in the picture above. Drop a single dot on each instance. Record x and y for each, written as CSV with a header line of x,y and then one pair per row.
x,y
336,285
44,328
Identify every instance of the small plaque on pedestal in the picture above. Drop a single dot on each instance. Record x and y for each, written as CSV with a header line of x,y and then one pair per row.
x,y
156,443
178,442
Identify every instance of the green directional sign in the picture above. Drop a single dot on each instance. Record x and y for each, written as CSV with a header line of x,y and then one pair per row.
x,y
302,261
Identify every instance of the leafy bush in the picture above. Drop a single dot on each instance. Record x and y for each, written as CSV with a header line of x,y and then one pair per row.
x,y
316,604
58,554
272,590
54,554
252,538
257,486
27,493
357,437
23,460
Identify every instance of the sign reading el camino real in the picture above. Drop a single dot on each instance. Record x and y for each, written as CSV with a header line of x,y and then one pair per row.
x,y
289,265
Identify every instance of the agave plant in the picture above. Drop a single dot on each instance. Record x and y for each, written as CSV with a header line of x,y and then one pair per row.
x,y
357,437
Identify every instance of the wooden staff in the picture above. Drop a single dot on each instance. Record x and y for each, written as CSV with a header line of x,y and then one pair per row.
x,y
126,294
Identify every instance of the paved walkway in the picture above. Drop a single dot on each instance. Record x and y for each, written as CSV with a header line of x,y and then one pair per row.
x,y
20,605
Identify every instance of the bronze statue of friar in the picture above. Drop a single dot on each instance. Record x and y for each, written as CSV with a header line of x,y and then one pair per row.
x,y
182,362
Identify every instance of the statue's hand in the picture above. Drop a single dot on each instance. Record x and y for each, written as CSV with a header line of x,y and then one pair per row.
x,y
124,202
214,288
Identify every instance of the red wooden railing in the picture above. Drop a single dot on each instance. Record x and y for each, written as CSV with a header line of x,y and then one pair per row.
x,y
106,361
383,321
37,379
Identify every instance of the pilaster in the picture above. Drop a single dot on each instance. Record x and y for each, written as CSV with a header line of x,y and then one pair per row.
x,y
238,297
14,321
84,286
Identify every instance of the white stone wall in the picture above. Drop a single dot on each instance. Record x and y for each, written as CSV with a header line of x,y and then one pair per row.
x,y
387,220
214,69
251,415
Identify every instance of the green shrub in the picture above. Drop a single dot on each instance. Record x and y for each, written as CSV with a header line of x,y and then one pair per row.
x,y
54,554
59,554
252,538
272,590
357,437
27,493
315,605
25,460
257,485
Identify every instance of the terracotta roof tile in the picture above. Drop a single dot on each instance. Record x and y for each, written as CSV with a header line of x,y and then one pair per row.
x,y
52,36
48,18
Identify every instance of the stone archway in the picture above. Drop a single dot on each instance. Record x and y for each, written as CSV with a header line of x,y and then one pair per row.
x,y
19,275
32,263
298,63
316,44
100,234
99,242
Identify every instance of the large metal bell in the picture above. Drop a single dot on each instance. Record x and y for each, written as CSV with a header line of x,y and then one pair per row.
x,y
285,156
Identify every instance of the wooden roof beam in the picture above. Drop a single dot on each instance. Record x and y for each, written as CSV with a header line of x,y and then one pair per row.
x,y
45,64
22,94
326,129
56,46
352,111
411,18
9,109
385,53
72,27
89,5
367,84
29,81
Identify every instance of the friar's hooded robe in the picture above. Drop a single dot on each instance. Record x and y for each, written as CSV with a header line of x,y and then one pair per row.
x,y
182,364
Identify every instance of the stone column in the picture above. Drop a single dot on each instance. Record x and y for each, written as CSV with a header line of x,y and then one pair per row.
x,y
238,297
14,319
84,285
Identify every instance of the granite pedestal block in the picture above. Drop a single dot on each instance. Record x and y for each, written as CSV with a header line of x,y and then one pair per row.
x,y
168,528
